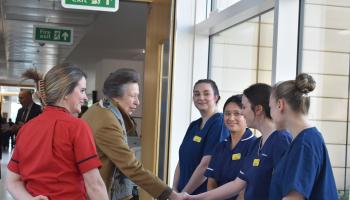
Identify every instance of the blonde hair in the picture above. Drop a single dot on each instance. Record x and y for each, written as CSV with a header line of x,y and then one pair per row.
x,y
295,92
58,82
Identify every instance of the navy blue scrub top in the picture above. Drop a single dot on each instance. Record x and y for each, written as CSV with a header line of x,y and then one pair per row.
x,y
225,162
198,143
305,168
260,163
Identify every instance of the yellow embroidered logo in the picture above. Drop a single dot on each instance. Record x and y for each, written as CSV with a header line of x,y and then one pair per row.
x,y
197,138
256,162
236,156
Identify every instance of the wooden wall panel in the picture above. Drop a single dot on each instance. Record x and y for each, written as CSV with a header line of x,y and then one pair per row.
x,y
158,31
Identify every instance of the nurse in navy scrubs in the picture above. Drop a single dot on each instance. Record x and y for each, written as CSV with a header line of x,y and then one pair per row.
x,y
304,172
201,137
229,155
265,153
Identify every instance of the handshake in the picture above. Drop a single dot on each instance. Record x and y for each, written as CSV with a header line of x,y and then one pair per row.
x,y
181,196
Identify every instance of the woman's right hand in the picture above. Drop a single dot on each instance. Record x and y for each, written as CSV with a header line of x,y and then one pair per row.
x,y
186,196
40,197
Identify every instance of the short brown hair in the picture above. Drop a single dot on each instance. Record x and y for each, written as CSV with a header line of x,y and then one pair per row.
x,y
113,85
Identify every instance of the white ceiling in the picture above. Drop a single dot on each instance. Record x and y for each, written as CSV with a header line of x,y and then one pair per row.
x,y
120,35
96,34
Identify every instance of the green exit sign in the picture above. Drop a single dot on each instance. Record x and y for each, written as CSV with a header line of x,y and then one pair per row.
x,y
53,35
100,5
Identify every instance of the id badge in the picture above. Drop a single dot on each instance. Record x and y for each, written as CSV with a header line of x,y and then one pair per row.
x,y
197,139
256,162
236,156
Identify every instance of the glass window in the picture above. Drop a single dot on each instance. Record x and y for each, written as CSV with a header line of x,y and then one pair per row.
x,y
222,4
325,53
242,55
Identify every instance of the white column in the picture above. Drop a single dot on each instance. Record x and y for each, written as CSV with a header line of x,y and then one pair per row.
x,y
181,99
285,51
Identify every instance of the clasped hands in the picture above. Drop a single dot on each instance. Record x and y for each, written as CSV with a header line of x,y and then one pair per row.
x,y
181,196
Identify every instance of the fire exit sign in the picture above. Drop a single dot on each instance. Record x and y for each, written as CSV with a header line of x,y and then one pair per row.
x,y
100,5
53,35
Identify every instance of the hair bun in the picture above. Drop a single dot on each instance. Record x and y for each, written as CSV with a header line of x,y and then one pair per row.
x,y
305,83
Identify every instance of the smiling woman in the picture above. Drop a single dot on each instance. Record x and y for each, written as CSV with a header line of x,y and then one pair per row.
x,y
228,156
201,137
57,141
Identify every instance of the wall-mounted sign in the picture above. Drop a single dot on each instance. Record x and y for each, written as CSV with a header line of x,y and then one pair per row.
x,y
100,5
53,34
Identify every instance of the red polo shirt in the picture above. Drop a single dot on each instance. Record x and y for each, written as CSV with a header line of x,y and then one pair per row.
x,y
52,152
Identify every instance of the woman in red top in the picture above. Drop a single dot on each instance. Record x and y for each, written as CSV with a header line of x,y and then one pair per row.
x,y
55,156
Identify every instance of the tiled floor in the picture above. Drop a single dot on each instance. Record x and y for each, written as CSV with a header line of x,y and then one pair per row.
x,y
4,195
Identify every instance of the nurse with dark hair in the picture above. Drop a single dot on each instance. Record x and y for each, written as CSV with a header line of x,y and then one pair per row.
x,y
229,155
305,171
263,156
201,137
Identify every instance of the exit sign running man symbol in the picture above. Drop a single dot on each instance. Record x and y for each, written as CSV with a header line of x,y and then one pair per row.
x,y
53,35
